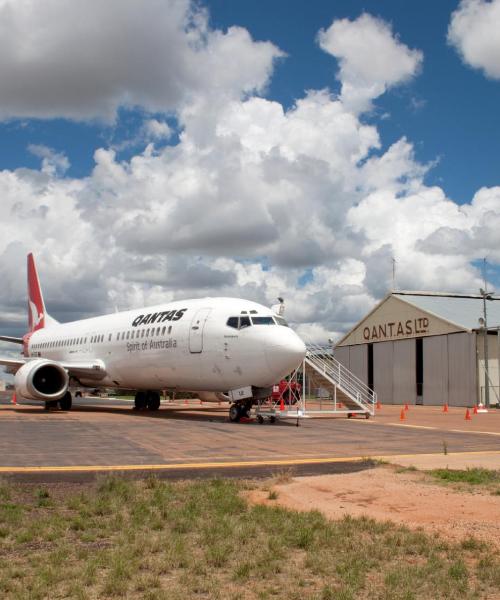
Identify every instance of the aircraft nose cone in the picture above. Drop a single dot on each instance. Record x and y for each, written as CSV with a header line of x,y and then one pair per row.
x,y
285,355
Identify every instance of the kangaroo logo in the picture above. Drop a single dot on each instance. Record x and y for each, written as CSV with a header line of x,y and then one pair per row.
x,y
36,318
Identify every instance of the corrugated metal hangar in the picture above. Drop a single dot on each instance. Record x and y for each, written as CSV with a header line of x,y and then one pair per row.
x,y
428,348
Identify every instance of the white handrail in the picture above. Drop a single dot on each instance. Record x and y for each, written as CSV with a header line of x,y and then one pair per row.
x,y
321,358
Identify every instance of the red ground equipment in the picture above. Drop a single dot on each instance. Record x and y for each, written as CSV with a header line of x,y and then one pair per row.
x,y
289,391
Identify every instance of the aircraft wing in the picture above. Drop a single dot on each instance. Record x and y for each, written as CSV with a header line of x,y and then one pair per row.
x,y
8,338
89,369
12,364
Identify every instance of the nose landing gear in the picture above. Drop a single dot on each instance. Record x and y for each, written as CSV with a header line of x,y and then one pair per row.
x,y
238,410
150,400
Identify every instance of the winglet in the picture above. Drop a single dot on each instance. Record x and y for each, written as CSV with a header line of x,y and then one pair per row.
x,y
36,306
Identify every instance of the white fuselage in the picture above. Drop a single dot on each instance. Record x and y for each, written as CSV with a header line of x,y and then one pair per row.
x,y
182,345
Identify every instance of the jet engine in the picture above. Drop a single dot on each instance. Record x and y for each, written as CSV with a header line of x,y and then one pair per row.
x,y
213,396
42,379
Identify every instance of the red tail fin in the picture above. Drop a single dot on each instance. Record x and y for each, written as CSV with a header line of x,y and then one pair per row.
x,y
36,307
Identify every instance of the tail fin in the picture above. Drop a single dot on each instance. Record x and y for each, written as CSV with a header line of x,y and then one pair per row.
x,y
37,316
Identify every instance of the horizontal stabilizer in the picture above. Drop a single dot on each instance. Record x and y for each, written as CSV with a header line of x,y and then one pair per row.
x,y
13,340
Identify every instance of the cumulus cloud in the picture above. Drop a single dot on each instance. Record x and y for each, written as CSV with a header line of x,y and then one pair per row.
x,y
473,31
156,130
371,58
53,163
250,200
82,60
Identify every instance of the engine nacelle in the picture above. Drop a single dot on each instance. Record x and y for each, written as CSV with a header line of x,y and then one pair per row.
x,y
213,396
41,379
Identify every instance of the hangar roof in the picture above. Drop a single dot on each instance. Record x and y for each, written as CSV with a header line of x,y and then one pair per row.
x,y
459,309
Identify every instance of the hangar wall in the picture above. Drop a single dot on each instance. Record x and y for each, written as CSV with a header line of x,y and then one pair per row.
x,y
448,366
410,354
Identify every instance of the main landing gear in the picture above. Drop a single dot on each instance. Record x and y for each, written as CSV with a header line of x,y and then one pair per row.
x,y
65,403
150,400
239,410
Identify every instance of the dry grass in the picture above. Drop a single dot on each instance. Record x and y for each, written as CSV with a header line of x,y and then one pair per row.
x,y
157,540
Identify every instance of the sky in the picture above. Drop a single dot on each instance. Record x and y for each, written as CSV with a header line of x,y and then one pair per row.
x,y
168,149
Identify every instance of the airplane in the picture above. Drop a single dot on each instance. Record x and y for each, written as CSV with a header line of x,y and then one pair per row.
x,y
218,347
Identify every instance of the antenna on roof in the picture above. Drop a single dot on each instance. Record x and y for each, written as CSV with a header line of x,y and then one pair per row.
x,y
393,274
484,274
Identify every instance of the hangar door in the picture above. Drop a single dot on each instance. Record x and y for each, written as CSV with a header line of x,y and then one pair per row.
x,y
358,361
462,369
383,356
435,388
404,381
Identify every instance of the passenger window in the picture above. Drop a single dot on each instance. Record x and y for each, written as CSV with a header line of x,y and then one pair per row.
x,y
232,322
244,322
170,329
128,334
142,333
158,331
163,331
147,332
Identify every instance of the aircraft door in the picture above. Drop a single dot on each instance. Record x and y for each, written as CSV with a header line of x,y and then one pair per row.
x,y
196,330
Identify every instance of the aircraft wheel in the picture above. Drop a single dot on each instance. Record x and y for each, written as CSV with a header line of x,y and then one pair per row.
x,y
272,419
66,402
234,413
153,400
140,401
260,419
367,415
349,415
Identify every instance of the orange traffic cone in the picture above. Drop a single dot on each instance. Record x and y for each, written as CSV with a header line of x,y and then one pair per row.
x,y
14,399
282,403
406,407
402,416
467,415
474,410
378,405
445,408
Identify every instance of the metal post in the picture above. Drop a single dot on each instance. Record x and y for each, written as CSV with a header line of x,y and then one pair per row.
x,y
486,375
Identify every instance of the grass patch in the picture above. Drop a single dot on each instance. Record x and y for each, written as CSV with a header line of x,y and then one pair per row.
x,y
155,539
474,476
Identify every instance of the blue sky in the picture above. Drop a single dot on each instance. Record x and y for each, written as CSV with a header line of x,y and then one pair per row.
x,y
450,111
249,149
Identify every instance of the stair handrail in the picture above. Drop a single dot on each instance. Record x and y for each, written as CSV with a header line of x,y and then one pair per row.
x,y
322,357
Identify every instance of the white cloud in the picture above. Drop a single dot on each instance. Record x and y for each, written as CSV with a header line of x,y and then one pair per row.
x,y
252,200
82,60
474,32
371,58
53,163
156,130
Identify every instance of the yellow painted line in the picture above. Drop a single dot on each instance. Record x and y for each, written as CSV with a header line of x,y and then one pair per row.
x,y
233,464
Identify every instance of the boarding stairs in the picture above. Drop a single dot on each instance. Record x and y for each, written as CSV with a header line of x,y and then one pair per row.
x,y
346,392
327,388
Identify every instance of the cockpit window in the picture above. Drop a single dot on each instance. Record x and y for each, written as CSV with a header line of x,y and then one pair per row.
x,y
281,321
244,322
239,322
263,321
232,322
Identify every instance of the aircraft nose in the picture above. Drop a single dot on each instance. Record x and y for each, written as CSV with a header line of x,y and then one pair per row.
x,y
285,354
